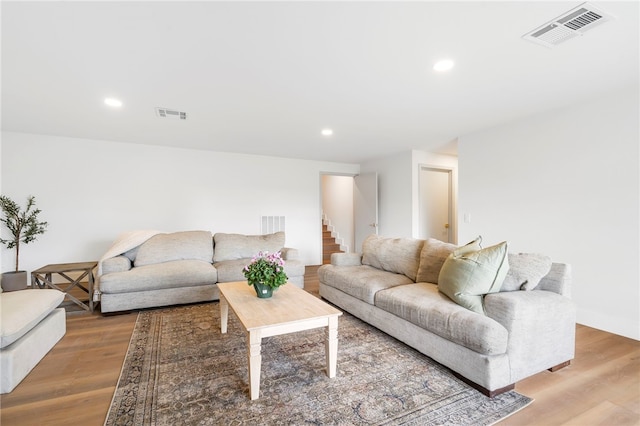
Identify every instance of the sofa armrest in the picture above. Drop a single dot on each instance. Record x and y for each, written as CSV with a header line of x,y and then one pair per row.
x,y
289,253
116,264
346,259
511,307
541,326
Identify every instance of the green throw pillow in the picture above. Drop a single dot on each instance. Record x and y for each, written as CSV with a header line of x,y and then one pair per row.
x,y
470,272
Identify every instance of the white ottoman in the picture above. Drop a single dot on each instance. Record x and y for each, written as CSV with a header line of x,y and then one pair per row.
x,y
30,325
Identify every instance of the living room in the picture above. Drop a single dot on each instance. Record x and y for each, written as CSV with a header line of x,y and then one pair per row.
x,y
546,143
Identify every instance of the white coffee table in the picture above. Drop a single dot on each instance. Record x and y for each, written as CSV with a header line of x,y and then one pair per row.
x,y
290,309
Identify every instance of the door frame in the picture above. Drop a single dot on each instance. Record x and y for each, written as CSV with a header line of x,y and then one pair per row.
x,y
453,208
321,202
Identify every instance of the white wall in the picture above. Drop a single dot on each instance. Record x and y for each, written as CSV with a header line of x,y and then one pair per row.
x,y
565,183
399,190
1,257
90,191
337,204
394,194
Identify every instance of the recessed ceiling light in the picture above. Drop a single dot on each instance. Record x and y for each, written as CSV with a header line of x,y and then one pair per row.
x,y
327,132
443,65
113,102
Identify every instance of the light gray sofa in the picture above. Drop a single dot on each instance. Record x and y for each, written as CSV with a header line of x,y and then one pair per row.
x,y
393,285
31,323
181,267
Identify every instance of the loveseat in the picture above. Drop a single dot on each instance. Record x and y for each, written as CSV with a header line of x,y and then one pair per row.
x,y
526,324
31,323
145,269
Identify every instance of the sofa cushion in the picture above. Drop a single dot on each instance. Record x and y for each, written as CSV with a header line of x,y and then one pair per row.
x,y
173,274
186,245
399,255
525,271
231,270
422,305
468,274
346,259
362,282
22,310
432,257
239,246
116,264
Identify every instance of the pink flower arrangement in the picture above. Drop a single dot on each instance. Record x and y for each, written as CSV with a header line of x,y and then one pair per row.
x,y
267,268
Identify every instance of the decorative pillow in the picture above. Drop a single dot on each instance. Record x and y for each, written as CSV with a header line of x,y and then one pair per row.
x,y
186,245
432,257
525,271
470,247
239,246
469,274
398,255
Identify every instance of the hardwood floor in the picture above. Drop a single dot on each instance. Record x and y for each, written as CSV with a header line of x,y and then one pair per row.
x,y
75,382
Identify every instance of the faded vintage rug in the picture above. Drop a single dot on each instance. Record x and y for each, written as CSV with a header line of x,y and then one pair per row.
x,y
180,370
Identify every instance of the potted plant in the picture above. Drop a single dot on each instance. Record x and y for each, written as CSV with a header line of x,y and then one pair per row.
x,y
24,227
265,273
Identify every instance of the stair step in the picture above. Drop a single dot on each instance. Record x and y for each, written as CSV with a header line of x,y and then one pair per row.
x,y
329,245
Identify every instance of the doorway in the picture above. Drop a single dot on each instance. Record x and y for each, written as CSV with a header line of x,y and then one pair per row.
x,y
436,204
351,205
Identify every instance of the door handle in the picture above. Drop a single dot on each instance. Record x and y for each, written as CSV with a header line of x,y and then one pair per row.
x,y
446,225
373,225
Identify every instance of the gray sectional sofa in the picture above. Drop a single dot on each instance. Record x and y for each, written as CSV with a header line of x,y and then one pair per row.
x,y
525,329
145,269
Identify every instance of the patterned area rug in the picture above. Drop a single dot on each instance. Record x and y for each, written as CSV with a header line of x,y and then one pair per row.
x,y
180,370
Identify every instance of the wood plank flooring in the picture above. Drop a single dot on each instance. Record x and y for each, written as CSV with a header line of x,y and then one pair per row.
x,y
75,382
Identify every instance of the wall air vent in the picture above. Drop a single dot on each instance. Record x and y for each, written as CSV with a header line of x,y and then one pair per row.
x,y
572,24
171,113
271,224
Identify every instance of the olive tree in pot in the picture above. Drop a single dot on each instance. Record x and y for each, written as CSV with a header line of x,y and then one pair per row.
x,y
24,227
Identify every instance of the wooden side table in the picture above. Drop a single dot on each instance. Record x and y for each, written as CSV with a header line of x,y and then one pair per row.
x,y
43,278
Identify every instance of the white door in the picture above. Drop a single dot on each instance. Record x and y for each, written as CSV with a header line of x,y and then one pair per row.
x,y
435,203
365,207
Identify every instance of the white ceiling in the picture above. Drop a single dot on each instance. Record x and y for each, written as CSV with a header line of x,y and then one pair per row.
x,y
266,77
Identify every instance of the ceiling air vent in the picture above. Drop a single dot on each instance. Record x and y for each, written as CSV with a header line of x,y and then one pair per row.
x,y
572,24
171,113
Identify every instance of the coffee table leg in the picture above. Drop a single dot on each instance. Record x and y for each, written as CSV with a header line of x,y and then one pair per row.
x,y
255,360
331,346
224,314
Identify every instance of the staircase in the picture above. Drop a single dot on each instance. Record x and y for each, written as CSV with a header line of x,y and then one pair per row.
x,y
329,245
